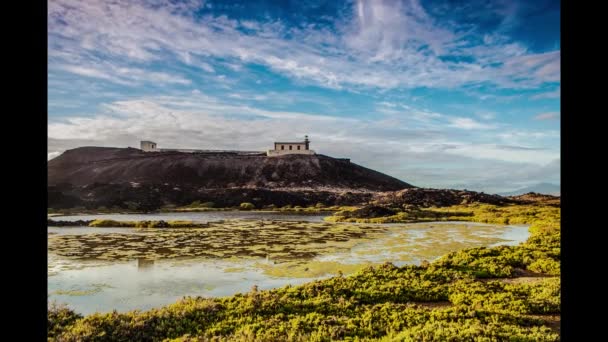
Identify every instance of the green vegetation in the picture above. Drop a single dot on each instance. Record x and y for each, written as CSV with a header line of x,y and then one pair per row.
x,y
199,205
317,208
247,206
195,206
479,294
484,213
112,223
58,318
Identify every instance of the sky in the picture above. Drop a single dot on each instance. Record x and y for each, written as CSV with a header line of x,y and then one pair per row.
x,y
442,94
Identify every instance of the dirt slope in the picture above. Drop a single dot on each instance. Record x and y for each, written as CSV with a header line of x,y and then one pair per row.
x,y
97,175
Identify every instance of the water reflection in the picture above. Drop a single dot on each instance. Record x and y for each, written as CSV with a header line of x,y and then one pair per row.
x,y
141,283
144,264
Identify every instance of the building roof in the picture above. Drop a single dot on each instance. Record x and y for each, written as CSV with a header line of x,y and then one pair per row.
x,y
299,142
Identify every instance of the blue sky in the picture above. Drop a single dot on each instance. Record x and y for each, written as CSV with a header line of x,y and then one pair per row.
x,y
458,94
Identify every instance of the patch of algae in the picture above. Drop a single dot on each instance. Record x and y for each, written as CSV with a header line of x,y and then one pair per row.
x,y
291,249
277,240
95,288
311,269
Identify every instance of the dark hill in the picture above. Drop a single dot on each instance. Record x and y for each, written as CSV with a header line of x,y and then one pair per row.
x,y
88,165
110,176
423,197
533,197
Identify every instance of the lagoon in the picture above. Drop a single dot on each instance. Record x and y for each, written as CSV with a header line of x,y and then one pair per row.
x,y
106,269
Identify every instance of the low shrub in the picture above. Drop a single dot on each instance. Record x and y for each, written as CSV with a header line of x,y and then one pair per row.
x,y
247,206
112,223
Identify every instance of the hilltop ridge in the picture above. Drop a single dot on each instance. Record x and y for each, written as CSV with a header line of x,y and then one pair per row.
x,y
104,176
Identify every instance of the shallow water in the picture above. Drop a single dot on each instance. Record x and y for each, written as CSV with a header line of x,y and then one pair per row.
x,y
139,284
104,285
203,217
414,242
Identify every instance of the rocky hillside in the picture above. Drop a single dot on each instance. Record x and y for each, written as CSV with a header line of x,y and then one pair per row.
x,y
425,198
536,198
99,176
540,188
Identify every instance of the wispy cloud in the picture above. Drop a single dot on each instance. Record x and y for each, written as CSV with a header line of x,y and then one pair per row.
x,y
383,44
468,123
548,95
547,116
124,75
486,115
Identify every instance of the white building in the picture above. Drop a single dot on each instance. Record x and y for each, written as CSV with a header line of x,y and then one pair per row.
x,y
148,146
283,148
280,148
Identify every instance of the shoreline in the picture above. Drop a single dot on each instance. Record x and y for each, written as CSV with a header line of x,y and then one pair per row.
x,y
496,291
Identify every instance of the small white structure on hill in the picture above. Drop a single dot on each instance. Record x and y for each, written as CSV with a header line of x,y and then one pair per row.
x,y
283,148
151,146
280,149
148,146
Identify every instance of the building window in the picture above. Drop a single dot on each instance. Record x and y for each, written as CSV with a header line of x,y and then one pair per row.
x,y
282,147
298,147
290,147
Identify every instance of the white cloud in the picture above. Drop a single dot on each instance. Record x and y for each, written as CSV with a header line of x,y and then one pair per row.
x,y
123,75
89,72
385,45
548,95
486,115
547,116
468,123
515,154
52,155
207,67
523,137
